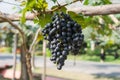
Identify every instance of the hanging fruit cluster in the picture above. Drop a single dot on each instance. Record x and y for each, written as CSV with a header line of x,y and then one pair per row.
x,y
64,36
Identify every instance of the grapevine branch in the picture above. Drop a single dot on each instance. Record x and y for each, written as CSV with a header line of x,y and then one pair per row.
x,y
85,10
16,17
34,41
60,6
97,10
16,27
10,22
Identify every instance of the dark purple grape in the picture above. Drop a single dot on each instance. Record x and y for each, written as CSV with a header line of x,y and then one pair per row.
x,y
64,34
68,25
62,24
58,54
58,22
69,47
69,34
53,58
64,28
69,30
58,35
59,44
64,53
52,31
58,26
59,67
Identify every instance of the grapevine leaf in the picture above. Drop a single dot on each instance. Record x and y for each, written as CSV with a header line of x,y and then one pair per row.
x,y
77,17
22,3
116,37
28,7
107,19
36,21
96,2
54,1
23,20
117,16
107,1
86,2
87,31
54,7
63,9
39,38
44,19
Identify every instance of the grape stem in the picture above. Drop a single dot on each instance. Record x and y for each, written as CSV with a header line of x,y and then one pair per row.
x,y
85,10
58,3
60,6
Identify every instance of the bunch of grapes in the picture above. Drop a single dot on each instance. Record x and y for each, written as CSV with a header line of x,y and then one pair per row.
x,y
64,36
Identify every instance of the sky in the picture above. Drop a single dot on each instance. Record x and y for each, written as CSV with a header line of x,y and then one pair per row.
x,y
8,8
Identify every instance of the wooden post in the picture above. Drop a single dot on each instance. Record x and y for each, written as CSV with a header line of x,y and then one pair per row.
x,y
44,56
33,59
14,55
92,45
102,55
74,63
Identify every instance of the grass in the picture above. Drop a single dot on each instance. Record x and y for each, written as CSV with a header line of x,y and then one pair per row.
x,y
5,49
89,56
109,59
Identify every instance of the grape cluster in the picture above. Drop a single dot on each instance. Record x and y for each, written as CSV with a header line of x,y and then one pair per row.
x,y
64,36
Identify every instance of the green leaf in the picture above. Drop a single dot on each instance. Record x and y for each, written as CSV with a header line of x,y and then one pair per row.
x,y
54,1
36,20
44,19
86,2
96,2
77,17
53,7
23,20
115,36
63,9
107,1
117,16
23,3
28,7
90,2
39,37
87,32
107,19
